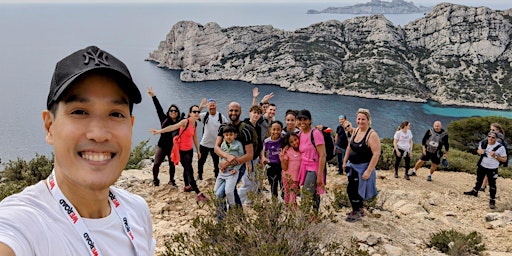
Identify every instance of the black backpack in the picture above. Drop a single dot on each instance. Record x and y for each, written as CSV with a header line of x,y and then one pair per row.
x,y
329,143
205,119
484,146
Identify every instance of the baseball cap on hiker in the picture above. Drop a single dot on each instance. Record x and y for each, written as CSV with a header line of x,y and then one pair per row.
x,y
83,61
211,100
304,114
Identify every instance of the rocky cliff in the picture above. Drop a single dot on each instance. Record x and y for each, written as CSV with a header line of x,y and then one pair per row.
x,y
455,55
376,7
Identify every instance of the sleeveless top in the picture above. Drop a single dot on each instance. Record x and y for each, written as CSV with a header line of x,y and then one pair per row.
x,y
360,152
186,139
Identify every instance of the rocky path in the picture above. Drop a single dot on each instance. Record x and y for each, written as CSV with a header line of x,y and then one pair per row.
x,y
406,214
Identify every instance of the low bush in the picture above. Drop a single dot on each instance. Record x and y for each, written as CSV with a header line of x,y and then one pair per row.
x,y
453,242
19,173
267,228
139,153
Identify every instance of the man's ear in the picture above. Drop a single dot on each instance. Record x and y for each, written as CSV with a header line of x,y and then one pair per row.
x,y
48,119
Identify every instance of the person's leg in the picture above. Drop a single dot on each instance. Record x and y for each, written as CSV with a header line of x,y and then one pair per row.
x,y
200,162
186,161
398,159
484,184
355,199
310,188
417,166
219,191
272,179
230,189
492,175
238,197
480,174
215,159
407,160
248,184
172,171
339,160
159,158
287,184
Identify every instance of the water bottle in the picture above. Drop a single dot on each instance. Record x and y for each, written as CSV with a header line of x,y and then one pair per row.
x,y
444,162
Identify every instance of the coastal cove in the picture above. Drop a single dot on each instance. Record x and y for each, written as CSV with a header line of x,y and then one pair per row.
x,y
37,36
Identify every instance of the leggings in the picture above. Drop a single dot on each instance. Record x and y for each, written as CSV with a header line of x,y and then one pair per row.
x,y
160,155
274,177
188,171
407,159
352,190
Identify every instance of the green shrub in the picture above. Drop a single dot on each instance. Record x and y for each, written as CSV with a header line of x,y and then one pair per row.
x,y
20,173
453,242
267,228
139,153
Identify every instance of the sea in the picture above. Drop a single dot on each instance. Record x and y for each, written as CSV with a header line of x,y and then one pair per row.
x,y
35,36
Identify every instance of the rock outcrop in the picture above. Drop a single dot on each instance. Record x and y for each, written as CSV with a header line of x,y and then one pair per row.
x,y
455,55
376,7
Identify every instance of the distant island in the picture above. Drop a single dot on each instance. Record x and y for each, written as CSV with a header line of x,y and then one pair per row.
x,y
376,7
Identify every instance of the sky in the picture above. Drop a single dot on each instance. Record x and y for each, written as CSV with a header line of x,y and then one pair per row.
x,y
490,3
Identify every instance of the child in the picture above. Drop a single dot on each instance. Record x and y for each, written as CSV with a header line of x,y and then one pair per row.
x,y
290,162
272,148
227,178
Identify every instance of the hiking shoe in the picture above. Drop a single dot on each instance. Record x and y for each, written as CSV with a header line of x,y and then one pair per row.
x,y
202,198
354,216
156,182
396,175
200,176
471,193
406,176
483,188
429,178
188,189
173,183
492,203
411,174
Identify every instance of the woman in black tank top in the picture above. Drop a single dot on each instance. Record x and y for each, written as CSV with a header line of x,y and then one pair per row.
x,y
362,155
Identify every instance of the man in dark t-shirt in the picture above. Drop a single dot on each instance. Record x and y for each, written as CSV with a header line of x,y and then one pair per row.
x,y
341,141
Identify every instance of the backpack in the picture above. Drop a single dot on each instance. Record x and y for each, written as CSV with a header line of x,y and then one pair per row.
x,y
434,141
484,146
255,139
329,143
205,119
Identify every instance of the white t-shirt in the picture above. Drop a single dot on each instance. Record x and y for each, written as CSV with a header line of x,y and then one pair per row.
x,y
403,140
32,223
211,129
490,162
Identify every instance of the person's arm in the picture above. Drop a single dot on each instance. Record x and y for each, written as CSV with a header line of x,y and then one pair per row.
x,y
283,158
446,145
395,146
202,104
411,144
424,142
321,164
6,250
255,94
170,128
374,144
159,110
197,145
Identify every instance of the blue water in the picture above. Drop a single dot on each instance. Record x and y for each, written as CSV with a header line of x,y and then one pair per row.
x,y
35,37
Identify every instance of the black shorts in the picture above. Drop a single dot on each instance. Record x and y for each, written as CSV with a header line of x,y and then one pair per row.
x,y
434,157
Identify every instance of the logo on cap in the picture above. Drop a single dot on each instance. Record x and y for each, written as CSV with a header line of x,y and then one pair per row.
x,y
100,57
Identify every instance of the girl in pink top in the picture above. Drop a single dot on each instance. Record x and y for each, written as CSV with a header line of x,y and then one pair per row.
x,y
290,162
188,138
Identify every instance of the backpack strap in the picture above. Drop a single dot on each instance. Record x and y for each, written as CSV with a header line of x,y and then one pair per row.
x,y
205,119
220,118
184,129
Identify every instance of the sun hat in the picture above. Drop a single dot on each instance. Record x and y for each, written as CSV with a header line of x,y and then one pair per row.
x,y
83,61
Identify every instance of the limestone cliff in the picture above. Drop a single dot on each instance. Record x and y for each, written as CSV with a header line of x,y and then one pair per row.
x,y
376,7
455,55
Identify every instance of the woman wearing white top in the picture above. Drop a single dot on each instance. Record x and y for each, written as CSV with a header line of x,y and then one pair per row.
x,y
402,145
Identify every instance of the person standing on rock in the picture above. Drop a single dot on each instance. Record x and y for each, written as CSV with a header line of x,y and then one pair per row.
x,y
498,129
211,120
187,140
402,147
313,156
244,135
491,153
165,142
341,141
77,210
362,156
431,148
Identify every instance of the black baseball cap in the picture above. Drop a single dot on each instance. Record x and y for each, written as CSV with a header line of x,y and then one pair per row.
x,y
83,61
